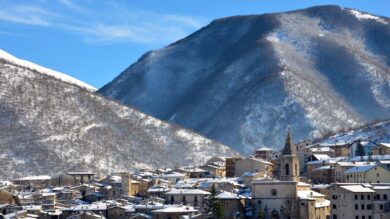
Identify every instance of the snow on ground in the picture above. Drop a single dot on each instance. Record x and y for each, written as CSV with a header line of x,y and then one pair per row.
x,y
61,76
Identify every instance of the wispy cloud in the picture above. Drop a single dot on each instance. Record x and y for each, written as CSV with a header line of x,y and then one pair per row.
x,y
24,15
116,23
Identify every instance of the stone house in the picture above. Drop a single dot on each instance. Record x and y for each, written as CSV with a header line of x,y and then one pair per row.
x,y
367,174
232,204
251,164
362,201
193,197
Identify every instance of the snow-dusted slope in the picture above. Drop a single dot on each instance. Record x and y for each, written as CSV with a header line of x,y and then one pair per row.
x,y
377,132
48,126
34,67
243,79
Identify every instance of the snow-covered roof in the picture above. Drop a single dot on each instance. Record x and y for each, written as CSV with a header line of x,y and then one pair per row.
x,y
45,194
187,192
58,75
193,169
158,189
321,149
323,168
227,195
80,173
385,144
323,203
357,188
359,169
173,175
176,209
384,161
96,206
309,194
321,156
149,205
385,187
264,149
320,186
35,178
303,184
33,207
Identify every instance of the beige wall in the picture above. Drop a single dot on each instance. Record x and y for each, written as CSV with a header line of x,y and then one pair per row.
x,y
286,196
250,164
230,207
189,199
377,174
343,204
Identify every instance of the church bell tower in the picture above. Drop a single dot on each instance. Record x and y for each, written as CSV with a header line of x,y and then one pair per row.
x,y
289,162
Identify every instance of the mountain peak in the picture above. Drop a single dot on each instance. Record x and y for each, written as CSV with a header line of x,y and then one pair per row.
x,y
241,80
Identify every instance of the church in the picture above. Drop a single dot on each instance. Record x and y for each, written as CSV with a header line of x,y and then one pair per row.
x,y
286,197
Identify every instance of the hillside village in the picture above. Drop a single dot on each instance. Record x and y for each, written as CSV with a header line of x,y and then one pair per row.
x,y
303,180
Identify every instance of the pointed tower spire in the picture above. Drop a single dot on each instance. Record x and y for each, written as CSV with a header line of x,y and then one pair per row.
x,y
289,148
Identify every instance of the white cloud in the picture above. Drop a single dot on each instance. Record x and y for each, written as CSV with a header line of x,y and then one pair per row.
x,y
116,23
24,15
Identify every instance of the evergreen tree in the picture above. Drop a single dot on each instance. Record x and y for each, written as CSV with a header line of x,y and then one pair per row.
x,y
360,150
214,206
261,214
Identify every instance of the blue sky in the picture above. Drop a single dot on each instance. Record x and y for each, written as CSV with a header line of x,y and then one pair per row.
x,y
95,40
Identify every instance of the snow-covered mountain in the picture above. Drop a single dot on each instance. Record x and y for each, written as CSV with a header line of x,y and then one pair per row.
x,y
51,123
242,80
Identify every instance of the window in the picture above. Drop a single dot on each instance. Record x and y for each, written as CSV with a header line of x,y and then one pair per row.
x,y
368,197
334,196
296,168
172,199
385,196
362,207
334,206
356,197
369,217
377,175
356,207
274,192
362,197
287,167
363,217
335,216
381,206
369,207
357,217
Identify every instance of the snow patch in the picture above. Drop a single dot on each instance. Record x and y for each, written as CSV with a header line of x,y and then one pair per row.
x,y
363,16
